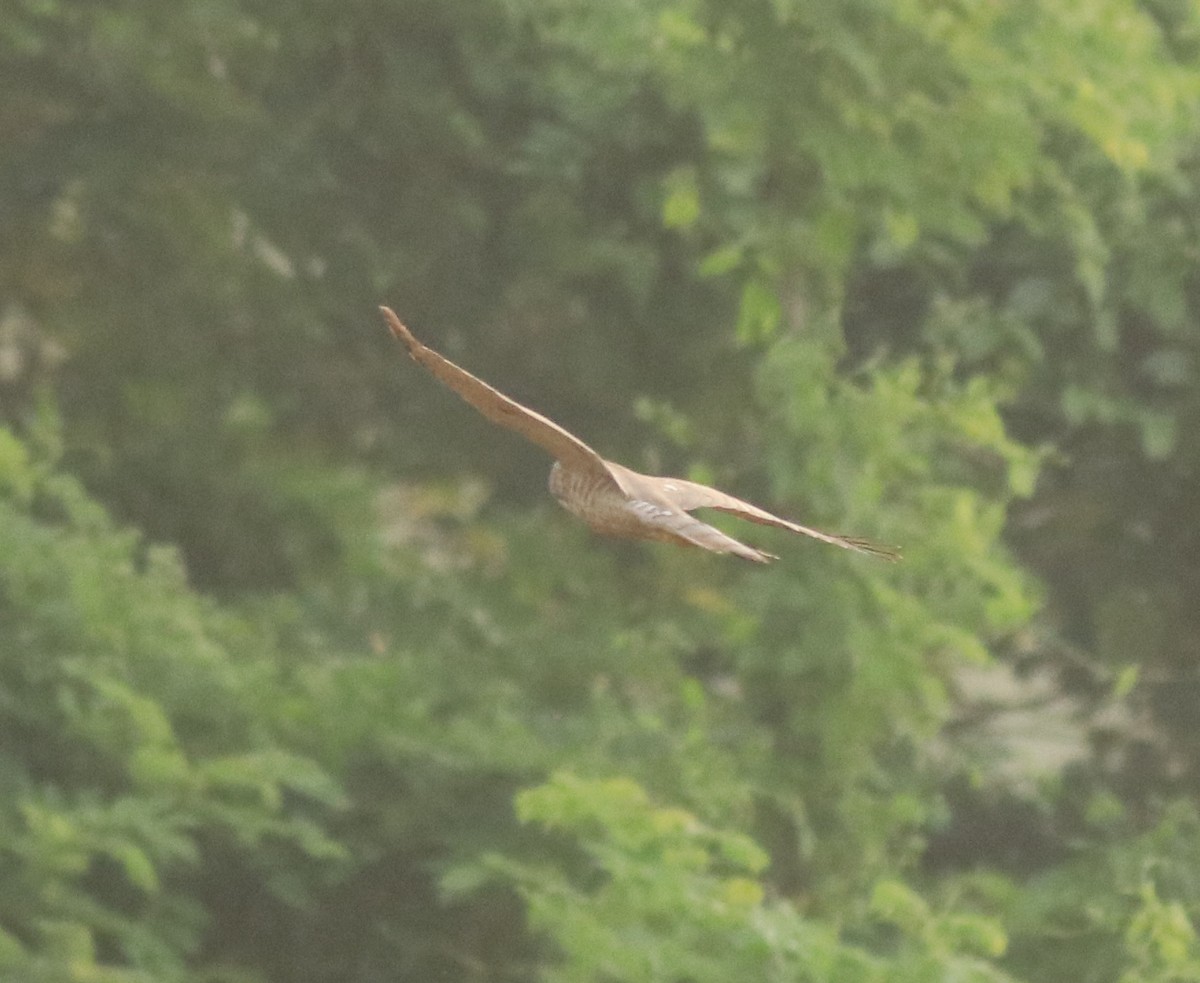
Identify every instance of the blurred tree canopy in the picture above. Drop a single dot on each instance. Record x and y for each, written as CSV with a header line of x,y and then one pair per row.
x,y
303,677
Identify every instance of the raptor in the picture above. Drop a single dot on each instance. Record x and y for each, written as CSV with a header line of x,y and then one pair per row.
x,y
611,499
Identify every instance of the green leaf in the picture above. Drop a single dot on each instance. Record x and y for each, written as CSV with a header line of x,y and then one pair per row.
x,y
720,261
759,313
681,206
899,904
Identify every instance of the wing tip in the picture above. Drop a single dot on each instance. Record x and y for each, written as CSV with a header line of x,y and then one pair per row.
x,y
754,554
399,331
890,553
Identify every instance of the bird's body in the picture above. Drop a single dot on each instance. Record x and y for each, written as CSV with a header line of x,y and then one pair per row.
x,y
611,499
595,500
609,511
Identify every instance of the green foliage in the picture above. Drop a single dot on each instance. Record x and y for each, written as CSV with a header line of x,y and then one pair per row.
x,y
135,766
1138,924
658,895
921,272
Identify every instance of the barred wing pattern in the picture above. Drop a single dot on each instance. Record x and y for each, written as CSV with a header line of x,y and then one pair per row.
x,y
613,499
688,495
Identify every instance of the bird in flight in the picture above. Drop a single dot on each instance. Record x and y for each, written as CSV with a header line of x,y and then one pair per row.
x,y
611,499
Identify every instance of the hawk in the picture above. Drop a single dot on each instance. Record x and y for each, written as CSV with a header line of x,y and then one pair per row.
x,y
611,499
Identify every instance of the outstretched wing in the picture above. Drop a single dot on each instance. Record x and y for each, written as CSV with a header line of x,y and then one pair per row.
x,y
676,526
688,495
663,503
498,408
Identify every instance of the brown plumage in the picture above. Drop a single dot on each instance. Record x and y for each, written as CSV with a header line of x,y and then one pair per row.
x,y
610,498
